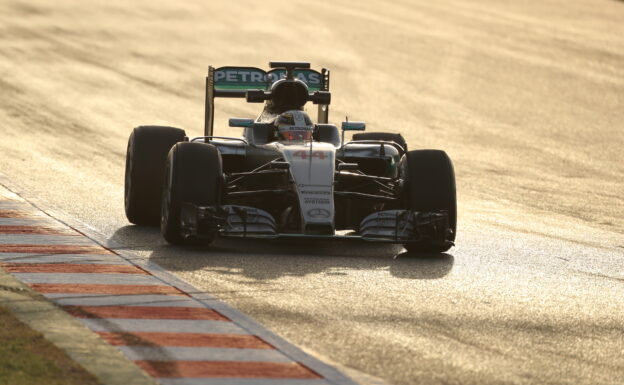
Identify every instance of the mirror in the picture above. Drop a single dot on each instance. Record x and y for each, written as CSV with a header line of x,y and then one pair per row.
x,y
353,126
321,97
257,96
241,122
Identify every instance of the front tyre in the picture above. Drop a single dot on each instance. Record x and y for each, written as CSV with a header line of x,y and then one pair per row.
x,y
148,147
430,187
193,174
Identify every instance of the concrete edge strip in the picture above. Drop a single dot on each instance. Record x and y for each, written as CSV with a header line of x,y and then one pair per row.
x,y
104,361
330,373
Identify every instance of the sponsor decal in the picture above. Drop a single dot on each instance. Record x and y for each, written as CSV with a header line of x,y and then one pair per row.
x,y
240,76
315,192
316,201
311,78
255,78
303,154
318,213
301,185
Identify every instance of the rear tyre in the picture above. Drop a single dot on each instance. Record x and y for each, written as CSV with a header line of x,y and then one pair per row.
x,y
193,174
430,187
397,138
145,165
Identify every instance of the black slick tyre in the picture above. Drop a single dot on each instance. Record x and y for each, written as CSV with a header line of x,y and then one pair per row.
x,y
148,147
430,187
193,174
387,136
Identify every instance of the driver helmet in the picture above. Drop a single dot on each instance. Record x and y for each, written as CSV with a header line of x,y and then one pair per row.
x,y
294,125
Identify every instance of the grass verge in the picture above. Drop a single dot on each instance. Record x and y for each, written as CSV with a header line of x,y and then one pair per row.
x,y
28,358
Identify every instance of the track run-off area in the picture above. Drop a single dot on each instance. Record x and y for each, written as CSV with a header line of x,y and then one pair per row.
x,y
526,97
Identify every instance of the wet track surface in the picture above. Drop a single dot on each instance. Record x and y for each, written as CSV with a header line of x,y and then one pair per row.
x,y
527,98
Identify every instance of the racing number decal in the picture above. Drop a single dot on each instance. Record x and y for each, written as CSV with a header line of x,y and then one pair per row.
x,y
304,154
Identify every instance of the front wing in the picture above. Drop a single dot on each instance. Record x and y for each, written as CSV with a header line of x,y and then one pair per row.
x,y
389,226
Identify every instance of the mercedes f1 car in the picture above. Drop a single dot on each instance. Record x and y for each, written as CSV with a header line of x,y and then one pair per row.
x,y
287,177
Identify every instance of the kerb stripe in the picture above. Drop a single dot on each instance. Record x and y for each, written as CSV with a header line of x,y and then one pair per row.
x,y
225,369
36,230
53,249
16,214
238,341
145,312
71,268
67,288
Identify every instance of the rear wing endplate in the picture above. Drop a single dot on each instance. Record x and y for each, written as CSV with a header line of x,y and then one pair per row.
x,y
234,82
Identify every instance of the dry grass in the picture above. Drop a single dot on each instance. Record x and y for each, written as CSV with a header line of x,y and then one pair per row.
x,y
28,358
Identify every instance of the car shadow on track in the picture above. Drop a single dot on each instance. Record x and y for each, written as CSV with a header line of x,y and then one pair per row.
x,y
272,259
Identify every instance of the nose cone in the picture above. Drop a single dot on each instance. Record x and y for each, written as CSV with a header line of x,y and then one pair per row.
x,y
312,170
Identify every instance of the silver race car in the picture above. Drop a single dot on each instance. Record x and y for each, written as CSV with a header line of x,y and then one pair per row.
x,y
287,177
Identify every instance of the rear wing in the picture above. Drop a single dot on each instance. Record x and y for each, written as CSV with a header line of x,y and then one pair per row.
x,y
234,82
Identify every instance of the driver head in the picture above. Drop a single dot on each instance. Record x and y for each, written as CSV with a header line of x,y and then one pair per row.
x,y
294,125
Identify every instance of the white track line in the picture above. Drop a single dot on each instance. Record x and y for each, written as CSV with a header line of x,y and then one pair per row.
x,y
88,278
124,300
148,353
38,239
106,259
239,381
40,220
160,325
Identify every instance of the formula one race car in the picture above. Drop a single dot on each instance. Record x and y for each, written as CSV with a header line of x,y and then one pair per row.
x,y
287,177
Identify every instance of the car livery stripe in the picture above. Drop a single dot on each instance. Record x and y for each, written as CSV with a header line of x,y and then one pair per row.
x,y
175,333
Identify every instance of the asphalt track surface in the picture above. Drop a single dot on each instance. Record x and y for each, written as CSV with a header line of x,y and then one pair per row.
x,y
526,97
